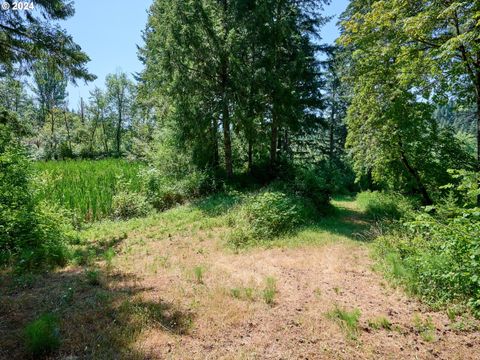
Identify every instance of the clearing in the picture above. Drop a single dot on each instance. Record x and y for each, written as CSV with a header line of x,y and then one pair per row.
x,y
168,287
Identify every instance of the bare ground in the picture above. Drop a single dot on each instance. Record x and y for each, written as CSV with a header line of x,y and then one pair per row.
x,y
153,304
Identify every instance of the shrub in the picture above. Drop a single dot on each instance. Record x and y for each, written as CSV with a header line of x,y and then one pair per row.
x,y
381,206
164,191
32,233
267,215
47,243
437,257
127,205
311,183
42,336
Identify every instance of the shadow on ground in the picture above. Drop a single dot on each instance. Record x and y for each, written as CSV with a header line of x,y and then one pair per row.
x,y
96,321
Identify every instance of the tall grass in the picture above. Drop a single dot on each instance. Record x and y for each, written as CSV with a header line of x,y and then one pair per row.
x,y
86,187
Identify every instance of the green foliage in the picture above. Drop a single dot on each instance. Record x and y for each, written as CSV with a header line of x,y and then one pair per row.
x,y
86,188
311,183
269,214
42,336
226,90
270,290
164,192
33,42
32,233
426,328
392,131
380,322
93,276
348,320
436,255
381,205
198,272
127,205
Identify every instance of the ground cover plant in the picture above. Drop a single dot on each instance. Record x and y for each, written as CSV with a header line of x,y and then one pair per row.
x,y
248,188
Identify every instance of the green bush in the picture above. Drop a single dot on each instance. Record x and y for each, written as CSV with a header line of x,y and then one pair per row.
x,y
437,257
32,234
127,205
312,184
269,214
380,206
164,191
42,336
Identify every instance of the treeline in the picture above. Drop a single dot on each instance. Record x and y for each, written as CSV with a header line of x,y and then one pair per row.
x,y
240,83
111,122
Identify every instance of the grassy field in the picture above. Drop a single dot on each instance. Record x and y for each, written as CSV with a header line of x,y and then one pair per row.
x,y
170,286
86,187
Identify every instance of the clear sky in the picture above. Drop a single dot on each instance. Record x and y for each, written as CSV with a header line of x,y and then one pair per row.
x,y
109,32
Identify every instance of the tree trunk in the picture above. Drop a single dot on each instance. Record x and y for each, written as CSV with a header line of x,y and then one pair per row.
x,y
426,199
92,139
214,135
54,141
250,155
227,141
478,130
105,137
331,139
273,141
69,139
119,130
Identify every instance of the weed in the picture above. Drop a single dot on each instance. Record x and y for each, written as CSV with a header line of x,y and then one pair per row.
x,y
426,328
198,272
380,322
42,336
86,188
109,256
236,293
348,320
67,297
93,276
270,290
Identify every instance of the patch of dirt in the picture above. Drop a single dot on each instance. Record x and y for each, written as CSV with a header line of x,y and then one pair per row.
x,y
222,312
311,281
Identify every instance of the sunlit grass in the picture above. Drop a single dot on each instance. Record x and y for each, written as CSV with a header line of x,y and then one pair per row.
x,y
86,187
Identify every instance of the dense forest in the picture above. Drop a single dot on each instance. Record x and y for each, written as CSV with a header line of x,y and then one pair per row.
x,y
244,133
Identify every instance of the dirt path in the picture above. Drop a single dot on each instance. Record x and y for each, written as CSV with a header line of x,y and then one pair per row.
x,y
188,298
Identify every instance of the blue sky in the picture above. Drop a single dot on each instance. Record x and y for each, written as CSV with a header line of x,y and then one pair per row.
x,y
109,32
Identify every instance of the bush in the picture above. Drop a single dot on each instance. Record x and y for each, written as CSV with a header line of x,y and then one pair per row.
x,y
127,205
32,234
312,184
381,206
47,244
164,192
267,215
42,336
437,257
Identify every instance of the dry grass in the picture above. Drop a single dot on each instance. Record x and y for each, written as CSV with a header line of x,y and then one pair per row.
x,y
150,302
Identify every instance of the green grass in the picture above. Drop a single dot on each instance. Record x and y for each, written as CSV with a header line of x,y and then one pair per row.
x,y
348,320
380,322
42,336
198,272
425,328
270,290
86,187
